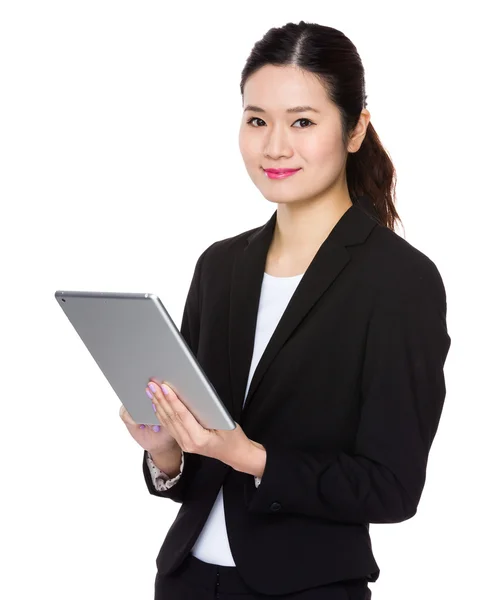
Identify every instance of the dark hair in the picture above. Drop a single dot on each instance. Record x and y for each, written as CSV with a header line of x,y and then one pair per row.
x,y
333,58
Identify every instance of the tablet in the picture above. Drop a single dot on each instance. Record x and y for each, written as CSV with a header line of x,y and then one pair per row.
x,y
132,338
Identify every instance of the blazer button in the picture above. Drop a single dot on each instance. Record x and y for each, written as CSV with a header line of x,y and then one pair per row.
x,y
275,506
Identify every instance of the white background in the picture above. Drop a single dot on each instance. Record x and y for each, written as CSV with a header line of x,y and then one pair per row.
x,y
119,165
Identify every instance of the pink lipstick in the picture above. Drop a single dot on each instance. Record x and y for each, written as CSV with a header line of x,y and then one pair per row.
x,y
279,173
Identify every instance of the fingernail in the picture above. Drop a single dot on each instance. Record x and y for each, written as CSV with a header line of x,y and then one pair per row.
x,y
142,426
149,394
153,406
153,387
165,389
156,428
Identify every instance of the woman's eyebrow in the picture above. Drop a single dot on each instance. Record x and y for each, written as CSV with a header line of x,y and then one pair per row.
x,y
295,109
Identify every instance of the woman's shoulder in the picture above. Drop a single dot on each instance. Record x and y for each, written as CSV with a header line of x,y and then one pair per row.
x,y
224,249
394,248
401,267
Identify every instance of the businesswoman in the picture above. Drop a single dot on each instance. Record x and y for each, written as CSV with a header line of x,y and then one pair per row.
x,y
324,334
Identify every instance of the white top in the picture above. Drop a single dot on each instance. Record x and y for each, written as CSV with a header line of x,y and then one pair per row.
x,y
212,545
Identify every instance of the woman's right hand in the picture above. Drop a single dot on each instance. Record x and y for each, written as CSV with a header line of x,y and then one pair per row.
x,y
155,442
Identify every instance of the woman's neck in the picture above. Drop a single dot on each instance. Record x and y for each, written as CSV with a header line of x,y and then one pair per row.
x,y
298,235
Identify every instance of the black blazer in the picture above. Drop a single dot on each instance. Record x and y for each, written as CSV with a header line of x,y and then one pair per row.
x,y
346,399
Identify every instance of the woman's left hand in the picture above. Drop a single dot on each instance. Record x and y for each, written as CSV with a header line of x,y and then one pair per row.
x,y
226,446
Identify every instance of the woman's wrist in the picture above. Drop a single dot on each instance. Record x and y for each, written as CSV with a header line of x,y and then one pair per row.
x,y
167,459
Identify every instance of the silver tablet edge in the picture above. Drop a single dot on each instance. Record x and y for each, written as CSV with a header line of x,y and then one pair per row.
x,y
177,334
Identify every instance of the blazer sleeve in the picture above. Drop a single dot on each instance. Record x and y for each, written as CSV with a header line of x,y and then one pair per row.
x,y
190,330
402,394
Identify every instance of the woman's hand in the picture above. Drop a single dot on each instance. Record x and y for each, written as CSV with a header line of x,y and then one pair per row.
x,y
179,422
152,438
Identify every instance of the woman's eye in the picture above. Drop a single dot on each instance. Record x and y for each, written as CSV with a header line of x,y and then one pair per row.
x,y
255,119
258,119
304,120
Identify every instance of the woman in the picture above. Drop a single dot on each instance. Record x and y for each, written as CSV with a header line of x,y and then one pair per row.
x,y
324,334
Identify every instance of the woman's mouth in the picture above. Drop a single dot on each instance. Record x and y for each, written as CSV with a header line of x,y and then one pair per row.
x,y
279,173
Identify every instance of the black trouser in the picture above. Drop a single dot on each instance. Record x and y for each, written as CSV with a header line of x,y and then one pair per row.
x,y
198,580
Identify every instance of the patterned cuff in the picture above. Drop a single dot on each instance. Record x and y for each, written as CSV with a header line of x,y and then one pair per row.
x,y
160,479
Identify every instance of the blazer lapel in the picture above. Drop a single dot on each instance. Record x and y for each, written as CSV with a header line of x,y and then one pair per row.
x,y
352,228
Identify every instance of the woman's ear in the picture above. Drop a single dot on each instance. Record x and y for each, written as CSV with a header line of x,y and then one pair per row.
x,y
360,130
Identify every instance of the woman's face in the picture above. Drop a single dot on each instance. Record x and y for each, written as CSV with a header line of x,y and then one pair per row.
x,y
271,137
